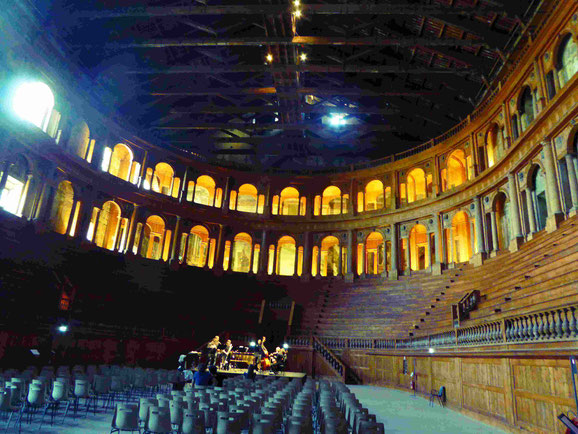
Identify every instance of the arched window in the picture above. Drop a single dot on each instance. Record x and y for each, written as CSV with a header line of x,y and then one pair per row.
x,y
374,253
79,139
241,253
526,108
461,241
121,161
456,173
286,249
198,246
62,207
539,197
162,179
502,210
205,190
492,145
374,195
246,198
418,248
34,102
154,235
331,201
108,224
567,61
416,185
289,201
329,256
13,196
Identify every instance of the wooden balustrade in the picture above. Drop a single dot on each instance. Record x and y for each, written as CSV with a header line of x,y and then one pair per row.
x,y
331,358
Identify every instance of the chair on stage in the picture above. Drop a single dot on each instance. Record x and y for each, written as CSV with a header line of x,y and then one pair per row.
x,y
441,396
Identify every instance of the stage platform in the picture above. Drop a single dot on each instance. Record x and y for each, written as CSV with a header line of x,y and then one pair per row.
x,y
234,372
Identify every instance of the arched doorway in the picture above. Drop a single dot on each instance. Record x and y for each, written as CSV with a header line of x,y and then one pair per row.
x,y
197,246
108,223
241,255
416,185
289,201
163,178
374,195
457,172
205,190
502,210
374,253
331,201
154,234
419,255
329,256
62,207
286,249
121,161
461,239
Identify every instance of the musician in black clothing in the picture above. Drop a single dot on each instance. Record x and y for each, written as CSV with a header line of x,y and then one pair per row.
x,y
280,360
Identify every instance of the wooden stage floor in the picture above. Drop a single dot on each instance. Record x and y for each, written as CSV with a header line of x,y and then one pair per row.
x,y
234,372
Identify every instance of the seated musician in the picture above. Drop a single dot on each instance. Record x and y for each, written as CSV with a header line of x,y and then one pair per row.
x,y
280,360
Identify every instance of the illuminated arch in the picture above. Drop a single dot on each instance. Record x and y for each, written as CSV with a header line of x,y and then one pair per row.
x,y
526,107
247,198
286,249
163,178
461,238
121,161
14,194
567,59
374,195
33,102
62,207
330,253
419,256
456,172
79,139
108,224
374,253
289,201
416,185
501,207
331,201
154,235
205,190
537,178
198,246
241,253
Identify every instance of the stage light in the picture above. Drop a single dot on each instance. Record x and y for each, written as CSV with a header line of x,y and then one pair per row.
x,y
337,120
431,351
303,57
297,13
33,101
286,346
269,58
252,344
63,328
296,3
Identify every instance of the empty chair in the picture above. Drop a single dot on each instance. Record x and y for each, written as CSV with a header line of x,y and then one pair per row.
x,y
34,401
193,422
158,421
144,405
370,427
7,408
125,418
228,424
102,389
177,409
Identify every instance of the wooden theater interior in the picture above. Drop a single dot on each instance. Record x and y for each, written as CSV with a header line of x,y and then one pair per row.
x,y
388,187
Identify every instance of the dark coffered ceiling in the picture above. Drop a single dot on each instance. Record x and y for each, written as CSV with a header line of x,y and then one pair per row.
x,y
195,75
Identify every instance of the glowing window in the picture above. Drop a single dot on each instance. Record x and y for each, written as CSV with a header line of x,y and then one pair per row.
x,y
108,224
418,251
205,190
289,201
286,256
416,185
163,178
374,253
456,173
198,246
374,197
120,161
62,207
154,233
567,60
330,256
241,258
34,102
247,198
331,201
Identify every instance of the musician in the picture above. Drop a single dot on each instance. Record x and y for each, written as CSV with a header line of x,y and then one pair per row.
x,y
280,360
212,347
226,354
262,352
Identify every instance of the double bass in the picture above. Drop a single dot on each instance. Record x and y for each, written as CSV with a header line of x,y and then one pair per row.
x,y
265,361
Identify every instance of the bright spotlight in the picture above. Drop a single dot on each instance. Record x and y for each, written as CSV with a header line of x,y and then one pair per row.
x,y
296,3
269,58
286,346
252,344
303,57
431,351
63,328
33,102
337,120
297,13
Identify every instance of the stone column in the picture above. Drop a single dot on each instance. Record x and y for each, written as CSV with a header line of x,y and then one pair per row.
x,y
481,251
573,183
393,274
226,195
306,275
264,252
451,248
349,274
132,227
407,271
437,266
495,240
174,251
515,224
428,235
555,215
531,213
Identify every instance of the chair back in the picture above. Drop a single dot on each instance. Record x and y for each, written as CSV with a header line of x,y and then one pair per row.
x,y
35,395
125,418
193,422
159,421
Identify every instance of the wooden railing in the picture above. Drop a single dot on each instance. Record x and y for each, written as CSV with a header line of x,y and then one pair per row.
x,y
555,324
331,358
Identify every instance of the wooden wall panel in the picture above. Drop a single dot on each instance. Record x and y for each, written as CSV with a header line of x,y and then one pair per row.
x,y
524,393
